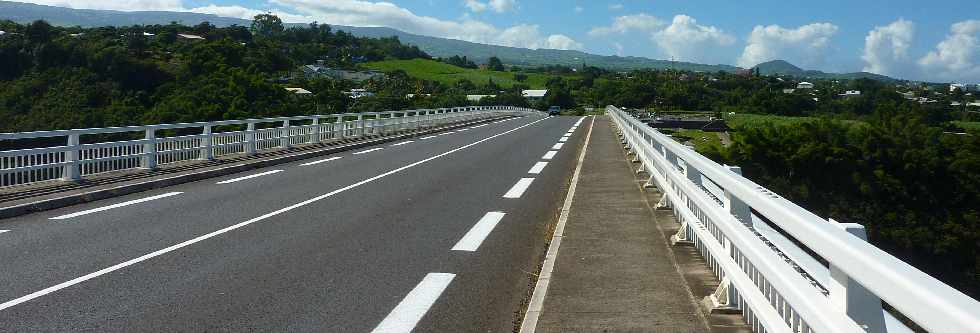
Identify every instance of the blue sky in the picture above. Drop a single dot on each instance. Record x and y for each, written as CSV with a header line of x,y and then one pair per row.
x,y
903,38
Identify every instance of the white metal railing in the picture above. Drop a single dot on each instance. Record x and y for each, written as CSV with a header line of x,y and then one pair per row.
x,y
746,234
69,159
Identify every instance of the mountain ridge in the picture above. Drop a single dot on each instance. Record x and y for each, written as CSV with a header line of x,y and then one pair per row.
x,y
435,46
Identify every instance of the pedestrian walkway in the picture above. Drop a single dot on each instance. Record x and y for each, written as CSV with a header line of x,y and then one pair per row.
x,y
614,270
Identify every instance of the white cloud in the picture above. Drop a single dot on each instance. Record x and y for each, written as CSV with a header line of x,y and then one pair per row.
x,y
124,5
957,58
616,6
886,48
579,9
499,6
686,40
368,13
623,24
619,48
805,45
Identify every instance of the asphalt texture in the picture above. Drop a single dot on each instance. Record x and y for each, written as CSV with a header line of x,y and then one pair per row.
x,y
331,247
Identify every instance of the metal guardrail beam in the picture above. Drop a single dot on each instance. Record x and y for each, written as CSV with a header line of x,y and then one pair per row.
x,y
678,170
74,160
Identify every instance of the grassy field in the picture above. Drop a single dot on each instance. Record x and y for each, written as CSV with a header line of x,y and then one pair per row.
x,y
740,121
448,74
968,125
702,140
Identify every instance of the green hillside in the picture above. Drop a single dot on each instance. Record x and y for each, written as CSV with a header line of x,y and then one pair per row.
x,y
449,74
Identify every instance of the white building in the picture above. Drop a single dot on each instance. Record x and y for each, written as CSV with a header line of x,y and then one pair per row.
x,y
964,87
190,37
358,93
534,94
851,93
804,85
299,91
477,98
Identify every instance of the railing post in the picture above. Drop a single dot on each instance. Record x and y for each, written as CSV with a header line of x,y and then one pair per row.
x,y
339,127
284,134
316,130
72,168
850,296
150,150
736,206
207,153
250,147
360,125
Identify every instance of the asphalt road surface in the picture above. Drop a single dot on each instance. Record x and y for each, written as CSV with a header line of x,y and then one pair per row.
x,y
430,234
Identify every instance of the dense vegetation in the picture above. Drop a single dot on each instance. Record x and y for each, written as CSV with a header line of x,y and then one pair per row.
x,y
55,78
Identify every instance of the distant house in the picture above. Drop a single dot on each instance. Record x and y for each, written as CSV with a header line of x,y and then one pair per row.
x,y
910,95
850,94
148,35
190,37
534,94
789,91
477,98
319,72
299,91
358,93
804,85
964,87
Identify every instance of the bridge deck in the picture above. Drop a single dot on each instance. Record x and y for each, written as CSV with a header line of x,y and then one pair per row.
x,y
614,270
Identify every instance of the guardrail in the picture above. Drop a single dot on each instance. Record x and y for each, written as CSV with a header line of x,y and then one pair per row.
x,y
70,159
783,267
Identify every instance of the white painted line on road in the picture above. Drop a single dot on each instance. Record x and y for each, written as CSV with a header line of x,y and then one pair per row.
x,y
447,133
478,126
248,177
428,137
537,168
367,151
402,143
118,205
536,305
472,240
558,145
175,247
563,139
549,155
3,231
321,161
413,307
518,190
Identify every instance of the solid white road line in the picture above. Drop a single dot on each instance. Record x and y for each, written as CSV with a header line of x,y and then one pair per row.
x,y
563,139
321,161
428,137
248,177
121,204
536,169
536,305
367,151
472,240
549,155
3,231
518,189
478,126
413,307
558,145
175,247
402,143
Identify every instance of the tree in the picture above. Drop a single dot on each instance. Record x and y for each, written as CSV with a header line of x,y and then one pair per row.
x,y
267,25
520,77
39,32
495,64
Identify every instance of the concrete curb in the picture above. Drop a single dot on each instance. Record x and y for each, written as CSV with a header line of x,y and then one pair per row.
x,y
55,203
